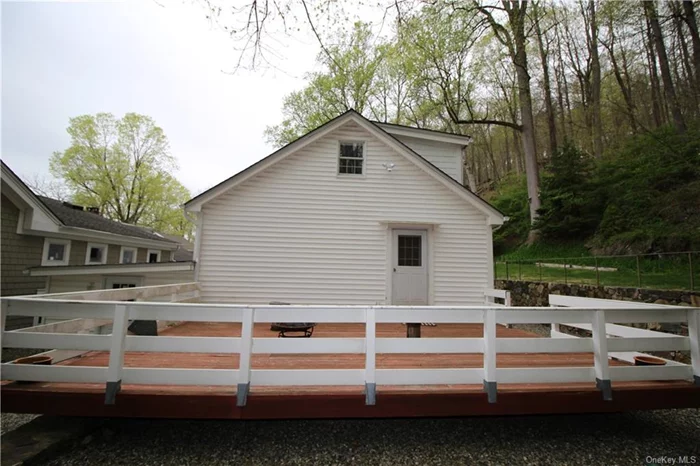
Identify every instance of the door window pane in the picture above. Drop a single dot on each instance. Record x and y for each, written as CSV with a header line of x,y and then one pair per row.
x,y
410,253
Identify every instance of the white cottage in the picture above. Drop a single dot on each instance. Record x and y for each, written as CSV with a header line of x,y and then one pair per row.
x,y
354,212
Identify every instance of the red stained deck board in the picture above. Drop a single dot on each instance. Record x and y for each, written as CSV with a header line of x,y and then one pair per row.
x,y
330,402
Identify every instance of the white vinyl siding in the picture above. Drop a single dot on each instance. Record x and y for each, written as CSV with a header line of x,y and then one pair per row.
x,y
447,157
298,233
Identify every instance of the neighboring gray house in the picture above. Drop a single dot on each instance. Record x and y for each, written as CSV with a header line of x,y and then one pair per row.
x,y
354,212
50,246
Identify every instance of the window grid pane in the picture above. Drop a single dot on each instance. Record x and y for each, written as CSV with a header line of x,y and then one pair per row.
x,y
351,158
56,252
410,254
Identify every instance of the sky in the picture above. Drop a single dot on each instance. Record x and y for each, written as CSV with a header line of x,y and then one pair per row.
x,y
164,59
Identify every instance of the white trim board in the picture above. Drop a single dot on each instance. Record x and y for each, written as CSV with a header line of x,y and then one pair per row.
x,y
112,269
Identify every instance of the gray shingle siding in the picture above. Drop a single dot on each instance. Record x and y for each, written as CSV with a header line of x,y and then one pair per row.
x,y
17,253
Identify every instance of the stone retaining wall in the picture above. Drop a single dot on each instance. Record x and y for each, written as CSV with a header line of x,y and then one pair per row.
x,y
525,293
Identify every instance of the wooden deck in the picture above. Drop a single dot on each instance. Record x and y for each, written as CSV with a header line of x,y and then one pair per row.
x,y
332,402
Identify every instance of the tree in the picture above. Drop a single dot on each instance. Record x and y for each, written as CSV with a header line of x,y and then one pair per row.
x,y
669,89
513,35
123,167
569,206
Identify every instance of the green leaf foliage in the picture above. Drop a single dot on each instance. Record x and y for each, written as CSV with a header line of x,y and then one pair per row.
x,y
123,167
510,197
570,203
651,185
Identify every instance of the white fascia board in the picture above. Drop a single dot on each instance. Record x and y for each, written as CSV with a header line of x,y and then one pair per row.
x,y
418,133
494,217
113,269
196,204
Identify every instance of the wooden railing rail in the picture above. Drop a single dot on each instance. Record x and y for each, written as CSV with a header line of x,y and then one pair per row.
x,y
246,376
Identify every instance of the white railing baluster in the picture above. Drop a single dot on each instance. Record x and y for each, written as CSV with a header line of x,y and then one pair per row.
x,y
490,354
247,326
116,352
600,354
370,356
694,335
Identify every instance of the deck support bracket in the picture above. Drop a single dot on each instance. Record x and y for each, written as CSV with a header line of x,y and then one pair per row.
x,y
111,392
606,387
490,389
242,394
370,394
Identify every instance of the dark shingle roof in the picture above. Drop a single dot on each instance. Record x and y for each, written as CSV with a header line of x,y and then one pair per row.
x,y
72,217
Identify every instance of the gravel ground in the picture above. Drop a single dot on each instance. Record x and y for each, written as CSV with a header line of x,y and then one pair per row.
x,y
11,421
607,439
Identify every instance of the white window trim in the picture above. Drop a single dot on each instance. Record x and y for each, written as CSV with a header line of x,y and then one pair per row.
x,y
153,251
364,160
96,245
45,254
127,248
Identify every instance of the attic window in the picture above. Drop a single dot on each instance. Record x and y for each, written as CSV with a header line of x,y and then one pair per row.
x,y
128,255
56,252
351,158
153,256
96,254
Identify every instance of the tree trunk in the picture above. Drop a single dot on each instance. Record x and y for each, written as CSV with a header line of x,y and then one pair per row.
x,y
595,84
650,11
695,40
656,104
517,19
626,92
551,118
471,180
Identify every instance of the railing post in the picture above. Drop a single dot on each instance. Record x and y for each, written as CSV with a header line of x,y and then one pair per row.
x,y
694,336
490,354
370,356
116,353
600,354
245,356
690,267
509,300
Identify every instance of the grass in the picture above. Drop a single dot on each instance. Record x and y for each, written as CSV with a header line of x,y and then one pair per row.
x,y
659,272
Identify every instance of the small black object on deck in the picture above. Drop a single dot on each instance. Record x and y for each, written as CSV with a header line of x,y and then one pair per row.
x,y
305,328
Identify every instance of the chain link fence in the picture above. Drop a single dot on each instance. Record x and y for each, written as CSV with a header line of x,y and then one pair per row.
x,y
665,271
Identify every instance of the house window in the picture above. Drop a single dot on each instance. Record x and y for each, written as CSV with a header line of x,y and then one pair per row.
x,y
128,255
153,256
410,251
96,254
56,252
351,158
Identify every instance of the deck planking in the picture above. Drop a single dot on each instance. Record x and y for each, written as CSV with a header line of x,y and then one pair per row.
x,y
328,402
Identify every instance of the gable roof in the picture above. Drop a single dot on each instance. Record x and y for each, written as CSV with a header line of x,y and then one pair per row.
x,y
494,215
424,133
72,217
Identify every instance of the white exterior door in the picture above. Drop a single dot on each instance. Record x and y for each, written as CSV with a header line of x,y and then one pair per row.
x,y
409,267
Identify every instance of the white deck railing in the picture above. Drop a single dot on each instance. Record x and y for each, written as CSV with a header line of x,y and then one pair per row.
x,y
594,318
